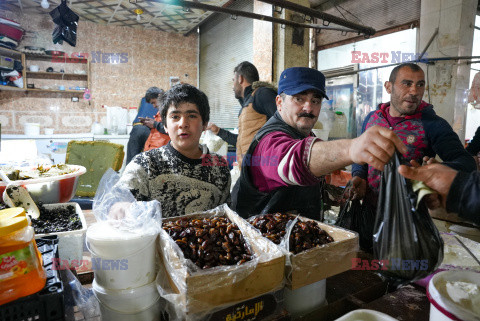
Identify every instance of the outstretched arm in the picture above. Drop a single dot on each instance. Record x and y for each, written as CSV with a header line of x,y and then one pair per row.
x,y
446,143
227,136
375,147
459,191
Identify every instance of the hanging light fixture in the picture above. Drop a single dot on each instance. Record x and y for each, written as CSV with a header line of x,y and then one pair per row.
x,y
45,4
138,13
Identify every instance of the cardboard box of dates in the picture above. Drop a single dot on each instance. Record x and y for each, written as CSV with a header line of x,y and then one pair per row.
x,y
315,251
214,259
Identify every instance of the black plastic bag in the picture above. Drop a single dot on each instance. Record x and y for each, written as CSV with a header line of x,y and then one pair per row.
x,y
66,22
63,15
405,240
358,217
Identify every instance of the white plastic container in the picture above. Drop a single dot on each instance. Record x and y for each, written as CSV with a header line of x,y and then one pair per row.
x,y
306,298
52,189
31,129
448,301
153,313
127,301
48,131
321,133
70,243
136,251
366,315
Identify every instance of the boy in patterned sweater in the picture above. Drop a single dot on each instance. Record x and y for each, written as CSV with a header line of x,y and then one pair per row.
x,y
180,175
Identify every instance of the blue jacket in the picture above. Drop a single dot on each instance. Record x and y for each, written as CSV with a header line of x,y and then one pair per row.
x,y
145,110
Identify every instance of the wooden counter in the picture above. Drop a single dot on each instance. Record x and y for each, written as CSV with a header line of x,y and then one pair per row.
x,y
346,292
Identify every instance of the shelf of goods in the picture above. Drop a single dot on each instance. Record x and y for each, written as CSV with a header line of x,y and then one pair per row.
x,y
73,80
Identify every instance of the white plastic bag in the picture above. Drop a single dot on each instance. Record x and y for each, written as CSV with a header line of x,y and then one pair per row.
x,y
143,217
214,143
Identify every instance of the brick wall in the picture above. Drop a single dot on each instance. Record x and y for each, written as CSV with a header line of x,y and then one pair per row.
x,y
152,57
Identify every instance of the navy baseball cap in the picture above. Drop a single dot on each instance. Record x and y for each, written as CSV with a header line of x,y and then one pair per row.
x,y
298,79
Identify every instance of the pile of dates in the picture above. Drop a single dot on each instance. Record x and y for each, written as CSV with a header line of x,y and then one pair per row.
x,y
304,236
209,242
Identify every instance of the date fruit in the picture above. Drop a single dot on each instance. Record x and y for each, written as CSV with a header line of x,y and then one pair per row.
x,y
209,242
304,235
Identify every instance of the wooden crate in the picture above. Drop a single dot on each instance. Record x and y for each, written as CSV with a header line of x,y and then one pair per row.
x,y
205,290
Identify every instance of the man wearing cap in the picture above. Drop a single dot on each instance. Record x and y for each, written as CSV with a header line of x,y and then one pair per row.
x,y
284,166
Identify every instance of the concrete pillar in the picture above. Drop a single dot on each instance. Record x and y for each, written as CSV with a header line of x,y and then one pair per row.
x,y
448,80
263,42
288,51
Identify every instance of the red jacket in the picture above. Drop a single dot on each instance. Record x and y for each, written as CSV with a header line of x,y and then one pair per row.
x,y
156,139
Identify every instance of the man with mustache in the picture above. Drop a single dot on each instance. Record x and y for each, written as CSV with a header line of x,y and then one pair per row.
x,y
415,122
284,166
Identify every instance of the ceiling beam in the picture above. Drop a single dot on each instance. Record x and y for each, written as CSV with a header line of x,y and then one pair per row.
x,y
210,17
367,31
115,11
409,25
233,12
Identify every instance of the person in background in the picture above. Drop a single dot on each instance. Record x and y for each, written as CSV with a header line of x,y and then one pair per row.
x,y
284,166
139,134
474,147
176,174
258,105
158,136
416,124
459,191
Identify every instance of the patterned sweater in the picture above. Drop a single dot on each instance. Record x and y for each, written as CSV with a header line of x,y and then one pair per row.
x,y
182,185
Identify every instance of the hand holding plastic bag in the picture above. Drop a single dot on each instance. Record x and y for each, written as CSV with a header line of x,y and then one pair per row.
x,y
214,143
360,218
405,239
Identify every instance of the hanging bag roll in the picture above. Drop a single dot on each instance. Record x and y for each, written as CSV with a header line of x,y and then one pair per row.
x,y
405,239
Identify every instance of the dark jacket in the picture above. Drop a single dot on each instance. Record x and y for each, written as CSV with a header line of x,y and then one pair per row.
x,y
247,200
464,196
263,103
474,147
